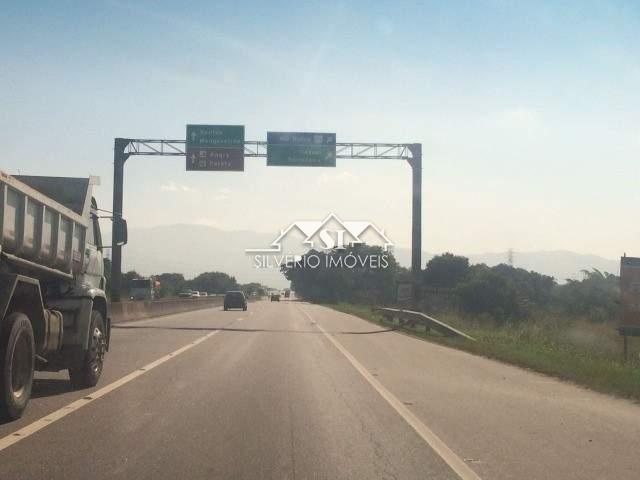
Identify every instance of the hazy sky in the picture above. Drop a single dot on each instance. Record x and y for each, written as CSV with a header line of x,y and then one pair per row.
x,y
528,112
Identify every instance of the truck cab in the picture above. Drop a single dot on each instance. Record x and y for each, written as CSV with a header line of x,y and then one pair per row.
x,y
141,289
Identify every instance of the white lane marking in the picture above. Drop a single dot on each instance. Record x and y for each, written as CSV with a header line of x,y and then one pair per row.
x,y
438,446
34,427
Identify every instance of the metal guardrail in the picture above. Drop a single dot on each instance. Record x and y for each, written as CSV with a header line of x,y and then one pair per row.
x,y
429,323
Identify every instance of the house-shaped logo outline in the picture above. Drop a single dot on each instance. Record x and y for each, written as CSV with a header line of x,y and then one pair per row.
x,y
310,228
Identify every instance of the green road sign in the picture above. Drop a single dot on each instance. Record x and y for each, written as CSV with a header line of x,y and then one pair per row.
x,y
301,149
215,147
215,136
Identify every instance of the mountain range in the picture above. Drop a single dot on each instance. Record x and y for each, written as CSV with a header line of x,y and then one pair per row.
x,y
193,249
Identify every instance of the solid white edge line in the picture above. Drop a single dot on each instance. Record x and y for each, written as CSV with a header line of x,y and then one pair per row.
x,y
438,446
38,425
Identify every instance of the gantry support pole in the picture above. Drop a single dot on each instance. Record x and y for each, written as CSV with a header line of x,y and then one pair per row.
x,y
416,220
119,159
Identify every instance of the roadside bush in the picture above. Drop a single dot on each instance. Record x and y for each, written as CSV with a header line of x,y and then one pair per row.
x,y
531,286
596,297
487,292
332,282
445,271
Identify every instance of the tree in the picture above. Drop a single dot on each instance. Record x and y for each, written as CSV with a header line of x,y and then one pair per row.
x,y
251,288
532,286
485,291
214,282
446,271
595,297
358,273
170,284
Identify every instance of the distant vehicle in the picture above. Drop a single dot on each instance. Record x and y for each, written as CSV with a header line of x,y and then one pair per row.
x,y
53,308
235,299
141,289
275,297
195,294
186,294
204,294
287,293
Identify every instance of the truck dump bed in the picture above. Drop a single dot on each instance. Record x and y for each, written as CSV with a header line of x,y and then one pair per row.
x,y
43,222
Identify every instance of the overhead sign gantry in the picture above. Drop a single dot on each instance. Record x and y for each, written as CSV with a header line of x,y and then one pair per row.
x,y
223,148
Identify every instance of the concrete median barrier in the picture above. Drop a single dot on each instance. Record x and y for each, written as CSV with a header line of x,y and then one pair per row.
x,y
138,310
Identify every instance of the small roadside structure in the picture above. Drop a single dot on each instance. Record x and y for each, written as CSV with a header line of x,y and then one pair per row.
x,y
629,300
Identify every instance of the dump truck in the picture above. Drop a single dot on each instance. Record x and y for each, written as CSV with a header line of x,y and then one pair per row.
x,y
53,307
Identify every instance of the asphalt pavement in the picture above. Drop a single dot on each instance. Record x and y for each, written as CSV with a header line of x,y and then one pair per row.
x,y
292,390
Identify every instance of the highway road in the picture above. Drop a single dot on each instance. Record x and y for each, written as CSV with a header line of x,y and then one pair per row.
x,y
291,390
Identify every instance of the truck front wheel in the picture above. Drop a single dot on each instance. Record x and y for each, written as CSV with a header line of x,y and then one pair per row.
x,y
88,373
17,362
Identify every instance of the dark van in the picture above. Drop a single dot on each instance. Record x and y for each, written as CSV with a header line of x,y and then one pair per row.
x,y
235,299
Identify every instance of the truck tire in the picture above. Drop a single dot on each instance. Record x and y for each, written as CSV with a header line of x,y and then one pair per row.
x,y
88,372
17,363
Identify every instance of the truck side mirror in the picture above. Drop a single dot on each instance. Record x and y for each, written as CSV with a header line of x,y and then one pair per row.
x,y
121,233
